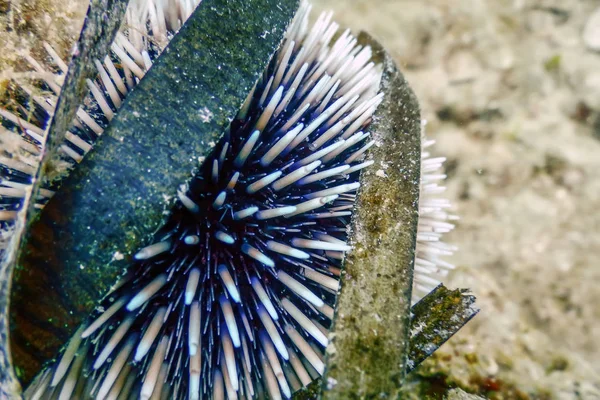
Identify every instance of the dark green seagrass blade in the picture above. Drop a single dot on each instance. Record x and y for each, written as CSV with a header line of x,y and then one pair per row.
x,y
117,198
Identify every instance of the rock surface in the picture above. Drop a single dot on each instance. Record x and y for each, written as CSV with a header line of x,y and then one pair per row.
x,y
458,394
367,354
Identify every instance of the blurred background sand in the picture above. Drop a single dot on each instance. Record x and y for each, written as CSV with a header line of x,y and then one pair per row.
x,y
511,93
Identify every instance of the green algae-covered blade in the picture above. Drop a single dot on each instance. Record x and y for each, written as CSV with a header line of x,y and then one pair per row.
x,y
118,196
366,357
436,318
100,27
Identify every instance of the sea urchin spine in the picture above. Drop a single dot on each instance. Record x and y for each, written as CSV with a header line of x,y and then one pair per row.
x,y
435,220
235,296
147,29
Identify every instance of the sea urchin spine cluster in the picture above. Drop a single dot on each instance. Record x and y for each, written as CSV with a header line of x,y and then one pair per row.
x,y
147,29
235,296
435,220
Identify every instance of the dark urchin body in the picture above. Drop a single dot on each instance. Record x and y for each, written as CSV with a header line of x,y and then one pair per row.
x,y
235,296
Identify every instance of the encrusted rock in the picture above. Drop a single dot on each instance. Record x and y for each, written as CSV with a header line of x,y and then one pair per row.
x,y
459,394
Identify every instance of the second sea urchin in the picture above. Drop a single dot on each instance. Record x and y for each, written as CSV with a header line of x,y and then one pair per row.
x,y
235,296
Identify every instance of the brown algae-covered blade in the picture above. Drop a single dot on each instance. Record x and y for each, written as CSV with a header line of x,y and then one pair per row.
x,y
100,27
436,318
367,355
118,196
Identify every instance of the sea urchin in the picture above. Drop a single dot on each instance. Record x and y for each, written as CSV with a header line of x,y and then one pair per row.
x,y
235,296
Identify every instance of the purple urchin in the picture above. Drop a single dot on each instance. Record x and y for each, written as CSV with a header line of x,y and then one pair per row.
x,y
235,296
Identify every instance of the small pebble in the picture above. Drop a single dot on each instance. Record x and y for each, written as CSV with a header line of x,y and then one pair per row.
x,y
463,66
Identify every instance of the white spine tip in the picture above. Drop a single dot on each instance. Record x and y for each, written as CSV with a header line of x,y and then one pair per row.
x,y
147,292
224,237
245,213
275,212
191,240
257,255
153,250
229,283
219,200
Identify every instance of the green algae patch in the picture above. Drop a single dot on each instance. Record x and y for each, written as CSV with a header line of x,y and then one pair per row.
x,y
120,194
437,317
366,357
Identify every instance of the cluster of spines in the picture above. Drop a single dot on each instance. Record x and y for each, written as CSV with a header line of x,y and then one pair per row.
x,y
235,296
435,220
148,27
